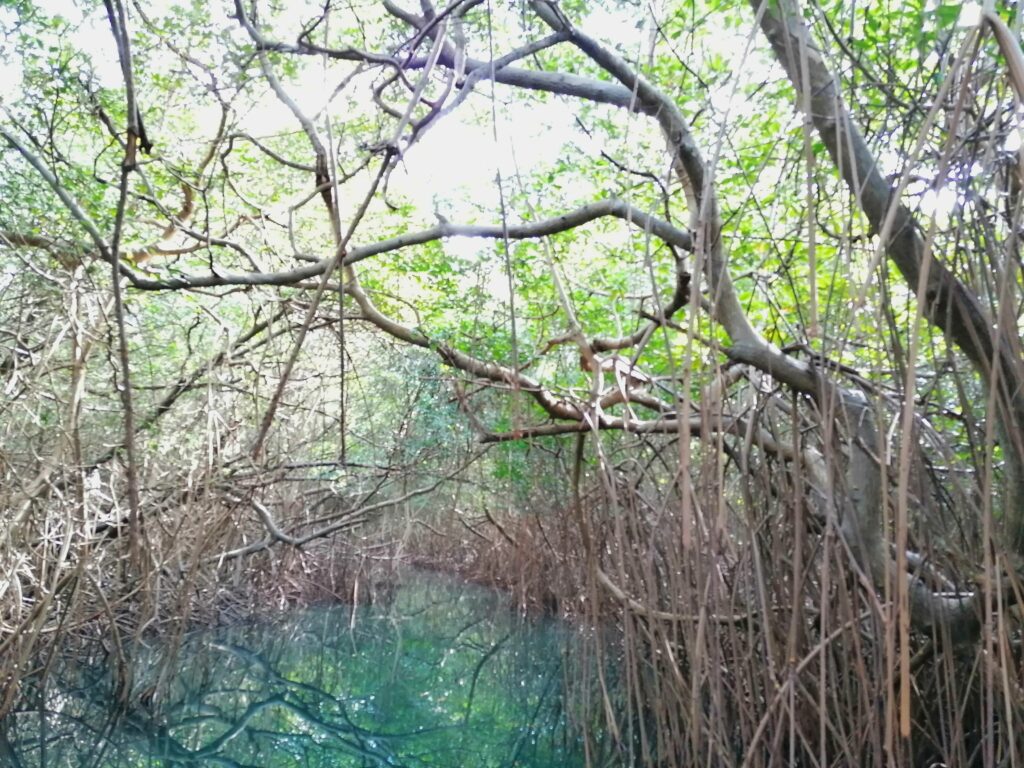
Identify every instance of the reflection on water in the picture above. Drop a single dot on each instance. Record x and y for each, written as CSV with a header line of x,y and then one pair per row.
x,y
445,675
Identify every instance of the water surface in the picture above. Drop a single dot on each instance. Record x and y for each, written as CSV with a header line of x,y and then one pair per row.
x,y
444,675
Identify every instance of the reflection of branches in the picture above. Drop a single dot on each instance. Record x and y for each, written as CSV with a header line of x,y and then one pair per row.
x,y
268,669
476,676
299,686
531,725
168,748
6,749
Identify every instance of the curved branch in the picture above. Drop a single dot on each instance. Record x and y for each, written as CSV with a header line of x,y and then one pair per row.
x,y
499,374
665,231
620,209
688,162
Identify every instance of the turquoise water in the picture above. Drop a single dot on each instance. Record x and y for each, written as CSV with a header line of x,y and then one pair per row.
x,y
445,675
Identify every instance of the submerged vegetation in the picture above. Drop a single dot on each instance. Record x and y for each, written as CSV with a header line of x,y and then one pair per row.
x,y
696,325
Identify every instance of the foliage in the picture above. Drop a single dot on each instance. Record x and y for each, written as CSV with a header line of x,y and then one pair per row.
x,y
733,291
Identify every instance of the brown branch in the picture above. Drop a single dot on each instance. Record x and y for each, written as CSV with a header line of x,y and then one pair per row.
x,y
118,22
638,608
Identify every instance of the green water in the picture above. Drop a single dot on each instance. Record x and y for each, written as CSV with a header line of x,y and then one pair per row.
x,y
445,675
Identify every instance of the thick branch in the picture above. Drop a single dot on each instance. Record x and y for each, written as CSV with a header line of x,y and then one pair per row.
x,y
563,223
947,304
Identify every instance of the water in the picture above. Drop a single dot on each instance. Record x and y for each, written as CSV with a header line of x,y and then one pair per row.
x,y
445,675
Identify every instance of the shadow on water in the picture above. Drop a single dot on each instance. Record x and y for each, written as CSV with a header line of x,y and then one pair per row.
x,y
444,675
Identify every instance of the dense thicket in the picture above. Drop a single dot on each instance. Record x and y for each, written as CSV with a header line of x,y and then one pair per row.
x,y
701,319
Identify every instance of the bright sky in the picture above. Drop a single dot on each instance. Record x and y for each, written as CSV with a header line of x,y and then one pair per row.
x,y
457,160
10,72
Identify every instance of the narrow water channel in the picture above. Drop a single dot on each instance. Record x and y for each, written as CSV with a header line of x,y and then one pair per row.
x,y
443,675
